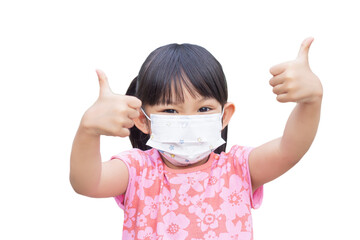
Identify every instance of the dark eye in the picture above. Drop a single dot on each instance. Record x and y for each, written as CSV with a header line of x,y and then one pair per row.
x,y
204,109
170,111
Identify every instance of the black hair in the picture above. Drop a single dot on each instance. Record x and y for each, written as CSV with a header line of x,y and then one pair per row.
x,y
170,68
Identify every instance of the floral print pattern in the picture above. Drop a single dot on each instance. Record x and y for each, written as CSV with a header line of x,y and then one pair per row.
x,y
191,180
211,201
173,226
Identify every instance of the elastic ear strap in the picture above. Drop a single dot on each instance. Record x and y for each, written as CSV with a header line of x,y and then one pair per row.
x,y
145,114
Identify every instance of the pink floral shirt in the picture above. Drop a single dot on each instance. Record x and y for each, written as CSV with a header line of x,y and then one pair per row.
x,y
211,201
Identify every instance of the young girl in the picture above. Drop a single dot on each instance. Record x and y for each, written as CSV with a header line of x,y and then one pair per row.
x,y
178,182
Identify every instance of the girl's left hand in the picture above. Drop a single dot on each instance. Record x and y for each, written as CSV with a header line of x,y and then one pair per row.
x,y
294,81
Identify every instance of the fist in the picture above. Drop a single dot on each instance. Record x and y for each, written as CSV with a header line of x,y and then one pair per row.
x,y
294,81
111,114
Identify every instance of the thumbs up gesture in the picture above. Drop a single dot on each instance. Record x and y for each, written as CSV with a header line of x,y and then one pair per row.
x,y
112,114
294,81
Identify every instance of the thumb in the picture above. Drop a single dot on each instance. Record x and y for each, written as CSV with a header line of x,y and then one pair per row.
x,y
103,82
304,48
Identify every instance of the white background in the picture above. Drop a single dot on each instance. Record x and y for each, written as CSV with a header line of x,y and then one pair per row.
x,y
49,51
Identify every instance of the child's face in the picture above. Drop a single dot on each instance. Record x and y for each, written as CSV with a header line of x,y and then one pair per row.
x,y
191,106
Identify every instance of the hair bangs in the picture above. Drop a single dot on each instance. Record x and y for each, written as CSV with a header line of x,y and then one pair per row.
x,y
173,68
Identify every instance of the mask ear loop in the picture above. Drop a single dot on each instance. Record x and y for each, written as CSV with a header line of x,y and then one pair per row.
x,y
222,112
145,114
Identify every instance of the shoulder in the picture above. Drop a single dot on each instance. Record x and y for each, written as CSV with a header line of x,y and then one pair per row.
x,y
237,159
238,153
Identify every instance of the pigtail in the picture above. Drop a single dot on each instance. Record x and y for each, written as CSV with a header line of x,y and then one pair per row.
x,y
138,139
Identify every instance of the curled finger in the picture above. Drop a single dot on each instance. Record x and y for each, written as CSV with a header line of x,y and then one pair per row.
x,y
278,69
124,132
128,123
282,98
276,80
133,113
133,102
279,89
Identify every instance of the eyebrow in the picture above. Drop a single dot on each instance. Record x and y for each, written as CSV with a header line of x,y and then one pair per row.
x,y
176,102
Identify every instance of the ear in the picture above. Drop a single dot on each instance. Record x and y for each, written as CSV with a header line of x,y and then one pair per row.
x,y
229,109
142,123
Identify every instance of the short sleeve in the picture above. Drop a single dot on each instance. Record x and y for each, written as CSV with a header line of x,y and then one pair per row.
x,y
132,159
256,197
242,159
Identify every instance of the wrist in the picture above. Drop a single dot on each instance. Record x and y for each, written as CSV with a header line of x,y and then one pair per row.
x,y
312,100
315,98
87,129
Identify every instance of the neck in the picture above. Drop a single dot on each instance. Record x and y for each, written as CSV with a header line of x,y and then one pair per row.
x,y
170,165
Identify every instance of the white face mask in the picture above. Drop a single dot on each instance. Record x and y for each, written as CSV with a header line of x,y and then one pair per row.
x,y
185,139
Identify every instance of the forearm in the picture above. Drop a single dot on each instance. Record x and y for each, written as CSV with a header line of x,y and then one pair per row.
x,y
300,130
85,162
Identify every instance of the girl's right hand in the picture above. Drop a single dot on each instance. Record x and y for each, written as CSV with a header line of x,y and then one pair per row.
x,y
112,114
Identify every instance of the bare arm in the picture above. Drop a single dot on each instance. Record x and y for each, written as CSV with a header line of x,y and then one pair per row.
x,y
110,115
274,158
292,82
88,175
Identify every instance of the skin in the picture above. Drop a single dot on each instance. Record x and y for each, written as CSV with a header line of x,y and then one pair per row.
x,y
113,115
